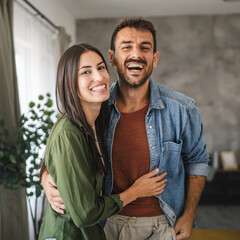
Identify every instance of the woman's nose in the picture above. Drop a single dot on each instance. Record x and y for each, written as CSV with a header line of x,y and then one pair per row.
x,y
97,76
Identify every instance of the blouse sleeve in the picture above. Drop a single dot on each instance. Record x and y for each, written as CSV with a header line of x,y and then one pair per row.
x,y
68,164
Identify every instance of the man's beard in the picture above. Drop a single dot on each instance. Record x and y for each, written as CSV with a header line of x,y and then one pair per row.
x,y
124,79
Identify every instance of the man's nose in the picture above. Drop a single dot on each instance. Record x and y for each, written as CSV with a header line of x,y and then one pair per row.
x,y
136,53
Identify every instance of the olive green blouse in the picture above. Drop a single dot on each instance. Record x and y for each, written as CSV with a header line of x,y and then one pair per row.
x,y
69,162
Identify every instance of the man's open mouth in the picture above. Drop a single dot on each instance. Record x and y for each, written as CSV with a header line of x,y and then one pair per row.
x,y
135,67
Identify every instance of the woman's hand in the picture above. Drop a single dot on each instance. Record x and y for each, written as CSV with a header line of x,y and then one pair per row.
x,y
149,184
145,186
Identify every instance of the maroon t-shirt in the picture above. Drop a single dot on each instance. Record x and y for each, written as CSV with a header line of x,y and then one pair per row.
x,y
131,160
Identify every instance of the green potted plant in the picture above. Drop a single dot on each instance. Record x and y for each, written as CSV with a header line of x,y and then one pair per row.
x,y
19,164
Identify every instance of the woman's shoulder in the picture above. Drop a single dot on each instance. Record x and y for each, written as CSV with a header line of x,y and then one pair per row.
x,y
65,129
65,125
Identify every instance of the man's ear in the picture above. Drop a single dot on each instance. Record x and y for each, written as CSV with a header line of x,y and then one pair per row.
x,y
155,59
111,57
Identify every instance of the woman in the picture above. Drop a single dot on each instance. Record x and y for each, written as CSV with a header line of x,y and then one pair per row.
x,y
75,155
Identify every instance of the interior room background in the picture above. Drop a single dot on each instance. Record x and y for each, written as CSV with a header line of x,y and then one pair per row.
x,y
37,48
199,56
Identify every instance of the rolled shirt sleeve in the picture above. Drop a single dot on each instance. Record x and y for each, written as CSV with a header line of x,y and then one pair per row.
x,y
194,153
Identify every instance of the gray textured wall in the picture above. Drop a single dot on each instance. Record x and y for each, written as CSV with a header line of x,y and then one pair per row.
x,y
200,57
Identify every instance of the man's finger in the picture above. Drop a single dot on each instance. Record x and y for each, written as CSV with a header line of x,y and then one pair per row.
x,y
56,209
59,206
177,228
62,206
181,237
55,193
50,180
57,200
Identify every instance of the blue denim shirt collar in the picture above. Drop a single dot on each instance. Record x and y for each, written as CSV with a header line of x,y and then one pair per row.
x,y
155,98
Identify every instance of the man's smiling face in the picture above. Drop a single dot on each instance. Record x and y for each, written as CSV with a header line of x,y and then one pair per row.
x,y
133,56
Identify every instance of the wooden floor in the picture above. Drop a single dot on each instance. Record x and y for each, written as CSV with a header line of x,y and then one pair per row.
x,y
211,234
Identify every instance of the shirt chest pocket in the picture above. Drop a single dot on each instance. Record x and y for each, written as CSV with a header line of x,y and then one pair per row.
x,y
171,156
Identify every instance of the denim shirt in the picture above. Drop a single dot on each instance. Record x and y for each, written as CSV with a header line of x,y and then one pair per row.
x,y
175,138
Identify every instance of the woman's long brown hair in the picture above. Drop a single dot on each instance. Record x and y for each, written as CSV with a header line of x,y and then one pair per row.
x,y
69,104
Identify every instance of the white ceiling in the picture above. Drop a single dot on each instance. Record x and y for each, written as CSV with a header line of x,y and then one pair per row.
x,y
147,8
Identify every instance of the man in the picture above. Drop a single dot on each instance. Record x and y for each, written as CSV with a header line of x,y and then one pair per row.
x,y
151,126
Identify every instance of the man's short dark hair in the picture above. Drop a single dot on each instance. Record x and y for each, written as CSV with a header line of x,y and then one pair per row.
x,y
137,23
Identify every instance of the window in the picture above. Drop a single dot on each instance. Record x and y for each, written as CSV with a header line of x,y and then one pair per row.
x,y
35,49
36,52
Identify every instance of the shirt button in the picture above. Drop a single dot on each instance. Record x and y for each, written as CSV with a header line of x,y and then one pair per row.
x,y
150,126
153,148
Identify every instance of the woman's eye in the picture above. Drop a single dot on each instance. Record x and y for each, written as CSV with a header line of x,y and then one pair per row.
x,y
101,67
85,72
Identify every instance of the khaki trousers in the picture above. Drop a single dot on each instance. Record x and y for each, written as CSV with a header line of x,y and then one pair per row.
x,y
142,228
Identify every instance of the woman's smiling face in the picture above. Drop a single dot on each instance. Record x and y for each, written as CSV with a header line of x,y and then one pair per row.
x,y
93,79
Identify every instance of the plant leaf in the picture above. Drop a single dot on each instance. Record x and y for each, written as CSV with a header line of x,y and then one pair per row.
x,y
31,104
40,97
12,159
49,103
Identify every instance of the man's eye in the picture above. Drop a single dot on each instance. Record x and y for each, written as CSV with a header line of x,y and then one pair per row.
x,y
126,47
145,48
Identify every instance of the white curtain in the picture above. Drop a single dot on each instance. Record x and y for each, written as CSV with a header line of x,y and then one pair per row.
x,y
38,48
36,51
